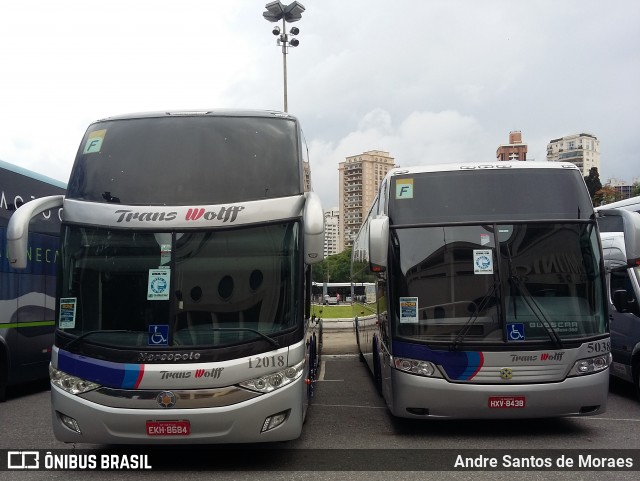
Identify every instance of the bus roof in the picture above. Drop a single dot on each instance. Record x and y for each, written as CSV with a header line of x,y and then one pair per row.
x,y
32,174
465,166
633,203
622,247
201,112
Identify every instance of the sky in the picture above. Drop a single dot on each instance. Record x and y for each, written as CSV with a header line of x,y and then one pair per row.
x,y
428,81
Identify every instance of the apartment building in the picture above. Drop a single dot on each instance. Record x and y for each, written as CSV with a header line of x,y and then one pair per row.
x,y
331,231
583,150
359,179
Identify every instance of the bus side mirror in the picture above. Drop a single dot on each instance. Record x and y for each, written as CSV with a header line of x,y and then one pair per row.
x,y
18,228
621,301
378,243
313,229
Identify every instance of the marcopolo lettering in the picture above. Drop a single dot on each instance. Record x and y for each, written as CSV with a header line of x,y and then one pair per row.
x,y
167,356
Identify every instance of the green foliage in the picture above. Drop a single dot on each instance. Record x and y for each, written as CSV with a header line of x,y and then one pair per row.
x,y
606,195
636,189
335,268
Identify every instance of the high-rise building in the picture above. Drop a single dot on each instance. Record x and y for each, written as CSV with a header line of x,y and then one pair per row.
x,y
307,176
359,179
514,150
583,150
331,231
624,189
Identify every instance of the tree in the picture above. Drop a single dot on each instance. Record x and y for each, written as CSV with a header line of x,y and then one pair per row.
x,y
336,268
593,183
636,189
606,195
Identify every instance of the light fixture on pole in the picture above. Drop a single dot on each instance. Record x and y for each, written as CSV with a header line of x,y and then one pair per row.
x,y
276,12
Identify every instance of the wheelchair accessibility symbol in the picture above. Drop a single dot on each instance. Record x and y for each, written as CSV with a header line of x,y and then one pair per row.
x,y
515,332
158,335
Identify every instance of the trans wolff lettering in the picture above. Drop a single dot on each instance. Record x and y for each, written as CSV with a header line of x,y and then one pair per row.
x,y
225,214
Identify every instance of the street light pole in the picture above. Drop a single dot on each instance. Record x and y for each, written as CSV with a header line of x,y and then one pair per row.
x,y
284,65
276,11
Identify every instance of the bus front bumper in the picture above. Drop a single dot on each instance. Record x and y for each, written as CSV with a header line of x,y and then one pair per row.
x,y
237,423
423,397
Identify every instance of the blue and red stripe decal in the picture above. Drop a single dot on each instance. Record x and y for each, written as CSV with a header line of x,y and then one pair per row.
x,y
105,373
459,365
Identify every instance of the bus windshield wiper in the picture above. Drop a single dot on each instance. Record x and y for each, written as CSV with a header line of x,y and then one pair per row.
x,y
271,340
90,333
531,302
537,310
480,306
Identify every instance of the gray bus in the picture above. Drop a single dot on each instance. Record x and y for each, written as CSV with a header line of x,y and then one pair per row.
x,y
183,304
490,292
620,233
27,296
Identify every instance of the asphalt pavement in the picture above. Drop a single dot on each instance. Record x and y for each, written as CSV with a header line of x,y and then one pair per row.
x,y
338,337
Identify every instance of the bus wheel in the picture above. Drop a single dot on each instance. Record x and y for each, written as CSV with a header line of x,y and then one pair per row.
x,y
636,376
377,374
4,378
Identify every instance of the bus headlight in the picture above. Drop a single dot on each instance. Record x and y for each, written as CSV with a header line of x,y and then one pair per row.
x,y
591,365
276,380
413,366
69,383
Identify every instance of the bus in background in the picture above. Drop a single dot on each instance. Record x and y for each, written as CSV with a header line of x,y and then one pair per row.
x,y
183,304
620,234
632,203
490,292
27,297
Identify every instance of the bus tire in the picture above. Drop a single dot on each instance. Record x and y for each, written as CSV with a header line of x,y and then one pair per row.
x,y
377,372
4,375
636,376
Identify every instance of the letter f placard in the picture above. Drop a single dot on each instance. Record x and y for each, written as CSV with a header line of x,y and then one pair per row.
x,y
404,189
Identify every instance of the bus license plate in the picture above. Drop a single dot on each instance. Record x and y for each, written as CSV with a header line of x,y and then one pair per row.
x,y
168,428
506,402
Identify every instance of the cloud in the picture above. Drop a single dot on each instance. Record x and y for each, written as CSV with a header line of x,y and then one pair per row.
x,y
420,138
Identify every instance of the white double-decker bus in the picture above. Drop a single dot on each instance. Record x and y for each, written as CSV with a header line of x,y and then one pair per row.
x,y
183,301
490,292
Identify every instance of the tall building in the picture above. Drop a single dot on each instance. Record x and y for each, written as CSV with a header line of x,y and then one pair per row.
x,y
583,150
307,176
331,231
359,179
623,188
514,150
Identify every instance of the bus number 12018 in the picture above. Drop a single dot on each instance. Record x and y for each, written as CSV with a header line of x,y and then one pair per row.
x,y
266,361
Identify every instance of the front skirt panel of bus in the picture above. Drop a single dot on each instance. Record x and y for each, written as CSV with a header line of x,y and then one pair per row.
x,y
421,397
237,423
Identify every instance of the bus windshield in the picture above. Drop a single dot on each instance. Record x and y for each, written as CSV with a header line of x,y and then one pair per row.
x,y
495,282
178,160
488,195
129,288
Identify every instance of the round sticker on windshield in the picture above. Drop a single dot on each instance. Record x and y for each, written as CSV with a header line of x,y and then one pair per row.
x,y
482,261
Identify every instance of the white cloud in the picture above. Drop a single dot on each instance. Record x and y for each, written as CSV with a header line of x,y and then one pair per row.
x,y
420,138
